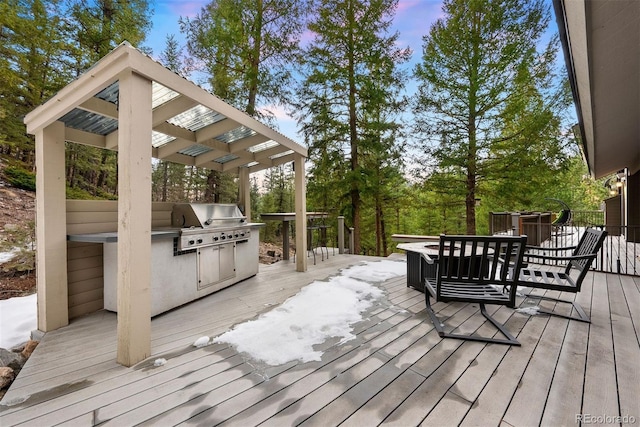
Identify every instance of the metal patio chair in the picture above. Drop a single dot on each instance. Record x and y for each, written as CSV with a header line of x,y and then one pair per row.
x,y
569,280
469,271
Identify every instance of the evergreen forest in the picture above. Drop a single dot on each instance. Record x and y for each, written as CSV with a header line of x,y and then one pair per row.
x,y
480,121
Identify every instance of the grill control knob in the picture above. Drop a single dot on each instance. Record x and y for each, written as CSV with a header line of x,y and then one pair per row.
x,y
215,239
230,236
236,235
199,240
191,242
223,237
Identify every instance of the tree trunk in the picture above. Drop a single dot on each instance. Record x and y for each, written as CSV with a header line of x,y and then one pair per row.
x,y
211,194
383,233
103,173
378,227
255,59
165,180
353,137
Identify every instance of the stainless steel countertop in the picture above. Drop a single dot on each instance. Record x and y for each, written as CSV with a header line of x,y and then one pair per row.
x,y
111,237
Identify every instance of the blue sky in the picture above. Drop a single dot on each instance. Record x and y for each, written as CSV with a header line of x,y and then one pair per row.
x,y
412,20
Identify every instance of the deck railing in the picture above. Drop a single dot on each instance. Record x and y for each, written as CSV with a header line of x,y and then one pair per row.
x,y
342,231
620,252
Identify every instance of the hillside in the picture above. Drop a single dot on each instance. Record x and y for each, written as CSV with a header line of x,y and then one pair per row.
x,y
17,218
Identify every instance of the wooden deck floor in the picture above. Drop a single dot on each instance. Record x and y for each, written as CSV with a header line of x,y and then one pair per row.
x,y
396,372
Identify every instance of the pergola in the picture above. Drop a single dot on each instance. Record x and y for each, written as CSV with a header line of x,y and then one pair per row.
x,y
130,103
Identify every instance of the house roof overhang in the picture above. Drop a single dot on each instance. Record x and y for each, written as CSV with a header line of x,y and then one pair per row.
x,y
601,43
190,125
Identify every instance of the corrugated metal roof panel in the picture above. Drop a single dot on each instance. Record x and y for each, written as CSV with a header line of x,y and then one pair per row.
x,y
196,118
227,158
110,93
159,139
264,146
195,150
286,153
236,134
161,94
89,122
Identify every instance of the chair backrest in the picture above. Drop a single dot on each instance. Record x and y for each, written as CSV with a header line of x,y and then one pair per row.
x,y
589,245
564,218
482,260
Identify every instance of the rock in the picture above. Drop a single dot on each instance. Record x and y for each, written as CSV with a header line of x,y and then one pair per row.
x,y
10,227
9,359
6,377
28,348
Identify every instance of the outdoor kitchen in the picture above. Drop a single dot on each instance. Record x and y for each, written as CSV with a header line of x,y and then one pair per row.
x,y
131,104
207,248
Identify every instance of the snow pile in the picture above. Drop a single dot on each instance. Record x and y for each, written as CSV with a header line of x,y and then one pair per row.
x,y
319,311
201,342
160,362
18,317
375,272
531,311
7,256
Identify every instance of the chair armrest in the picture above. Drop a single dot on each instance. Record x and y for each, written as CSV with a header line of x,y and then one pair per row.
x,y
543,248
559,258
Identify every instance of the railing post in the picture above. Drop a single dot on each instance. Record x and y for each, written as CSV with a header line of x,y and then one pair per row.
x,y
515,224
490,223
341,235
351,240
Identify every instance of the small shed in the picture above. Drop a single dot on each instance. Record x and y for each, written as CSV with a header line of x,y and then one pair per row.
x,y
130,103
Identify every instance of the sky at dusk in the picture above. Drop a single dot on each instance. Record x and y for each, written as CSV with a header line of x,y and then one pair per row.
x,y
412,20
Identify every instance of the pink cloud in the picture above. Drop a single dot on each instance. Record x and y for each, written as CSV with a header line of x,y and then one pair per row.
x,y
186,8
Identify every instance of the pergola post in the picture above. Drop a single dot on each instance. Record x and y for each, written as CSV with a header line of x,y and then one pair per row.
x,y
301,212
245,191
51,228
134,219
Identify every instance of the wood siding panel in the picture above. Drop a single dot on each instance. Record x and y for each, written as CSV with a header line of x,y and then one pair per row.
x,y
84,260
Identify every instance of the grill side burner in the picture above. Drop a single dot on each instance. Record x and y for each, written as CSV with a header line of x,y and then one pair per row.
x,y
203,225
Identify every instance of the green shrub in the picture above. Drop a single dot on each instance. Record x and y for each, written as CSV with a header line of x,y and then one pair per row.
x,y
20,178
78,194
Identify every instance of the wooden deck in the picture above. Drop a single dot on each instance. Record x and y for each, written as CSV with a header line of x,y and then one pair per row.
x,y
397,372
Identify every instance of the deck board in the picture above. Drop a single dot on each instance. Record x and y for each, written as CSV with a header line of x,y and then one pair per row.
x,y
396,371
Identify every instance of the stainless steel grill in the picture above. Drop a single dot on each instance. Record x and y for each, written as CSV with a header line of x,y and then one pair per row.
x,y
203,225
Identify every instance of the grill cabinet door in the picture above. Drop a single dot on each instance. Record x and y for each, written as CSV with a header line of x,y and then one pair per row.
x,y
227,261
215,264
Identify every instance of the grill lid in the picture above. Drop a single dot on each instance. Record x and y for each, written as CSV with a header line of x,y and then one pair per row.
x,y
206,215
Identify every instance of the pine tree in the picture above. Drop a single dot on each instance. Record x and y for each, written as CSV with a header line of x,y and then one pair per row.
x,y
349,99
247,48
32,68
485,91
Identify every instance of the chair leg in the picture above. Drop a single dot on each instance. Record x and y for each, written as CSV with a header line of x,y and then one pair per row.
x,y
581,316
510,339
